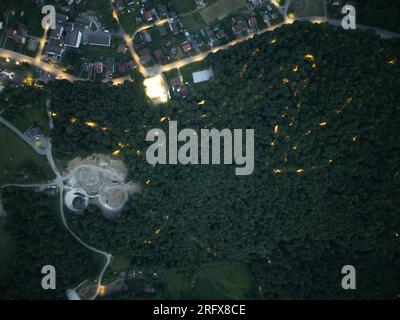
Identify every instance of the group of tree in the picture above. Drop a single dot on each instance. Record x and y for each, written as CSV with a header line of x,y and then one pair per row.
x,y
324,104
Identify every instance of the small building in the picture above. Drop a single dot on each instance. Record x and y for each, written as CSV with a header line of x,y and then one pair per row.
x,y
253,23
145,57
122,48
145,36
173,26
159,54
162,30
73,39
57,32
110,65
240,28
61,18
162,10
98,68
148,16
99,39
186,46
202,76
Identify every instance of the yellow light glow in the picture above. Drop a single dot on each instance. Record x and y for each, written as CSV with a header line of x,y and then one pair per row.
x,y
300,170
201,102
295,68
291,16
116,153
73,120
164,118
148,182
285,80
309,57
102,291
272,41
158,231
355,138
276,129
349,100
156,89
323,124
393,61
91,124
277,171
53,114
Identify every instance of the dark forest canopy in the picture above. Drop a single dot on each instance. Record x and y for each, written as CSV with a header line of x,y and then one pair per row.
x,y
324,104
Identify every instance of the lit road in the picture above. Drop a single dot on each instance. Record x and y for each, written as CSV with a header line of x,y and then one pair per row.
x,y
57,73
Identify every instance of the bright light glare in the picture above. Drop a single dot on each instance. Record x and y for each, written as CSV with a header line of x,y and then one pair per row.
x,y
156,89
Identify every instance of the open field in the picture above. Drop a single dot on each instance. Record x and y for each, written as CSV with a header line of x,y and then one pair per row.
x,y
15,153
183,6
194,22
221,8
305,8
210,281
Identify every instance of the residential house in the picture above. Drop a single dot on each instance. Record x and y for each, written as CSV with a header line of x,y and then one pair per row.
x,y
73,39
145,36
145,56
159,54
122,48
162,10
240,28
110,65
253,23
186,46
148,16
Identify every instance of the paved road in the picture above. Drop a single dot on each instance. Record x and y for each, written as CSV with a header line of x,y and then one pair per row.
x,y
57,73
38,186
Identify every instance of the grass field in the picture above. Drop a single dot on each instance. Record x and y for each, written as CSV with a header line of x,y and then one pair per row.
x,y
305,8
194,22
211,281
221,8
96,52
14,153
128,22
187,71
222,281
183,6
178,285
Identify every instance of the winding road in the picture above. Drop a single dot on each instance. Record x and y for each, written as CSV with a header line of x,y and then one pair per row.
x,y
59,182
